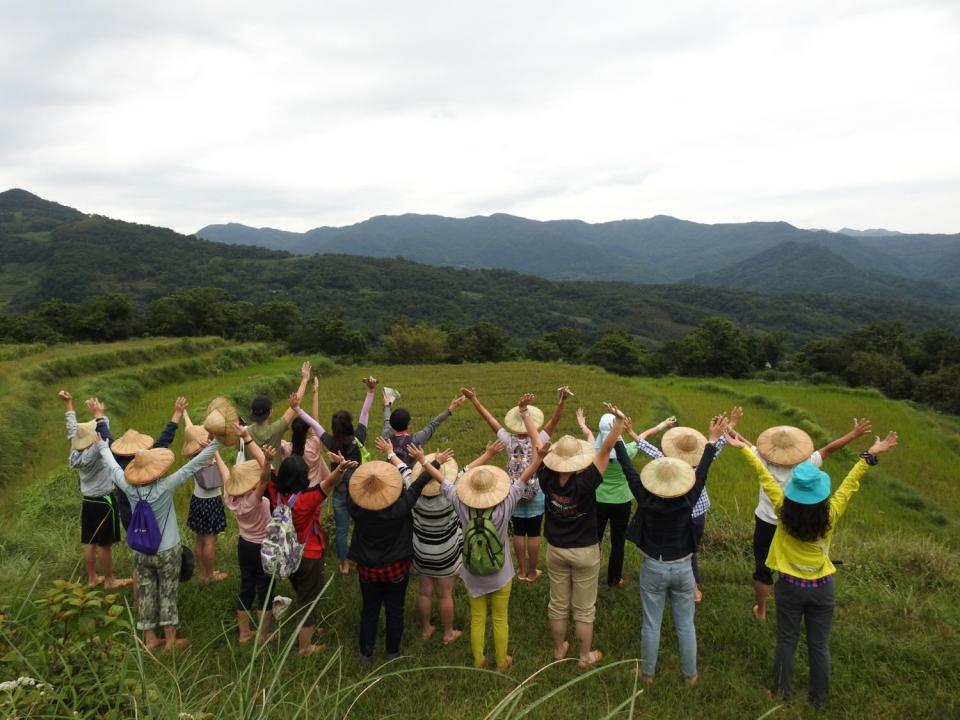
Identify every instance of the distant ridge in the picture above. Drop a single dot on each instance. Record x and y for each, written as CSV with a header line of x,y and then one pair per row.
x,y
659,249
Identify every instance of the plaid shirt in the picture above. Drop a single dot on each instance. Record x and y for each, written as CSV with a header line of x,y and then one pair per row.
x,y
802,582
388,573
654,453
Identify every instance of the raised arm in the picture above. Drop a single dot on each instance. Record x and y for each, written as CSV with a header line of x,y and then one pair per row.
x,y
110,463
471,395
602,457
659,427
172,482
169,432
333,479
295,406
305,371
530,472
422,436
584,428
550,426
266,467
861,426
70,414
371,383
484,458
315,398
851,483
250,447
531,427
770,486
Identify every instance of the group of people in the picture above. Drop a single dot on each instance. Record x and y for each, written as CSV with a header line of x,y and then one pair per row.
x,y
422,512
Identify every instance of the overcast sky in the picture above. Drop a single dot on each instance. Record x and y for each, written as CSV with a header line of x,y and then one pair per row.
x,y
295,115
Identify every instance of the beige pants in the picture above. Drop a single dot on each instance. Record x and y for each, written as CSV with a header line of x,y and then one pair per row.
x,y
573,582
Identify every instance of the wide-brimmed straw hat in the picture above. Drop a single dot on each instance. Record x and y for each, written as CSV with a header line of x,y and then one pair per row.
x,y
483,486
569,454
148,466
195,439
784,445
513,421
221,416
243,478
449,470
668,477
684,443
375,485
85,436
131,442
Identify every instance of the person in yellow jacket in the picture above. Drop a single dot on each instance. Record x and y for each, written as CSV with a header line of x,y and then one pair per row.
x,y
800,553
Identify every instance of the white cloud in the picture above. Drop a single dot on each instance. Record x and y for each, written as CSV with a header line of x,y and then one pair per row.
x,y
298,114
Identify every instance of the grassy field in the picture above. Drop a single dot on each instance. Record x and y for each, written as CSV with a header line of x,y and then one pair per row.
x,y
895,644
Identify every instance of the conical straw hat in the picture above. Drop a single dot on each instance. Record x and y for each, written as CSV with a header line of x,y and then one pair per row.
x,y
668,477
483,486
375,485
449,470
131,442
784,445
85,436
513,421
148,466
221,416
569,454
195,438
243,478
684,443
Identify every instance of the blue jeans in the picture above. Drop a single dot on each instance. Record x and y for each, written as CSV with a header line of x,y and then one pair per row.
x,y
658,581
341,519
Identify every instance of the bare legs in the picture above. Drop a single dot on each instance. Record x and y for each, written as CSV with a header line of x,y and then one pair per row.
x,y
205,549
527,550
263,625
762,592
444,590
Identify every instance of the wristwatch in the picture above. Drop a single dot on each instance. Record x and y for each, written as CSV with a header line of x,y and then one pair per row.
x,y
869,457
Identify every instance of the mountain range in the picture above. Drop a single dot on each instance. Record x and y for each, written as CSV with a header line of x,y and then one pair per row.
x,y
52,251
660,249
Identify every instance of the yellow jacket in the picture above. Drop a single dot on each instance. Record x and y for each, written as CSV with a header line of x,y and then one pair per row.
x,y
800,558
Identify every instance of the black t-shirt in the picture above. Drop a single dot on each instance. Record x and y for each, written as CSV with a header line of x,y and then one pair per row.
x,y
571,510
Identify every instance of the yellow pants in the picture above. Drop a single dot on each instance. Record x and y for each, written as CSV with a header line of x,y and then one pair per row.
x,y
499,600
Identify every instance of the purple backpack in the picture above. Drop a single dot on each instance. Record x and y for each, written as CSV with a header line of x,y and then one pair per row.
x,y
143,535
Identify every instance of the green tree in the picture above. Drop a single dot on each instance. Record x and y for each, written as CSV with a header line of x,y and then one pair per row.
x,y
886,373
569,342
420,344
617,352
283,317
542,350
717,347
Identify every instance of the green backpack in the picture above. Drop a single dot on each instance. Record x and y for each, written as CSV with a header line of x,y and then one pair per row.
x,y
482,549
364,453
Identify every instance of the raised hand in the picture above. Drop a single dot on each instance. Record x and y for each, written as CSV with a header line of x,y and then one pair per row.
x,y
495,447
384,445
294,401
305,371
456,402
336,458
861,426
543,451
269,453
416,452
614,410
628,424
718,424
371,382
468,393
564,392
581,417
736,414
444,456
734,439
348,465
95,406
316,385
65,396
882,446
525,400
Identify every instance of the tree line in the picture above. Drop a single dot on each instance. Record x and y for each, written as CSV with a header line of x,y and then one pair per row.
x,y
902,363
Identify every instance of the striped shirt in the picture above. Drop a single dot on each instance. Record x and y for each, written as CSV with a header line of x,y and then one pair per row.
x,y
654,453
437,538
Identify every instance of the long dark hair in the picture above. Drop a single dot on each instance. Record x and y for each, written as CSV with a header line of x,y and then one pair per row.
x,y
298,436
341,425
292,476
805,522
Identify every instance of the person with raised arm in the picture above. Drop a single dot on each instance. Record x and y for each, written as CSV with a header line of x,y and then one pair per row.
x,y
244,494
527,520
666,492
569,477
382,544
800,553
347,441
396,427
686,444
781,449
269,433
484,497
99,516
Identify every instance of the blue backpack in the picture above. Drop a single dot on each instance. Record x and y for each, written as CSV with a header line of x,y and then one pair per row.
x,y
143,535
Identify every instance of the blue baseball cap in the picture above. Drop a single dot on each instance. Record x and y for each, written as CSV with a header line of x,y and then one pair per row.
x,y
809,485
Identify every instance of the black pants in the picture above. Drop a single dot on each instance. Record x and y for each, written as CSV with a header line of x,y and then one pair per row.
x,y
699,525
391,596
619,516
255,590
763,533
815,606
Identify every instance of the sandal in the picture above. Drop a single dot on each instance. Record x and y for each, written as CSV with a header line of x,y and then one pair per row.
x,y
595,657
